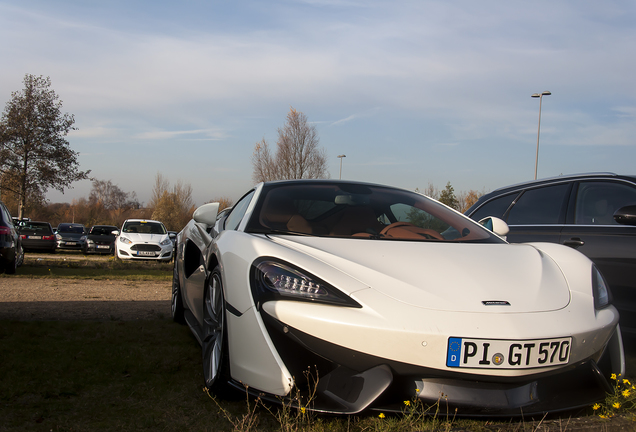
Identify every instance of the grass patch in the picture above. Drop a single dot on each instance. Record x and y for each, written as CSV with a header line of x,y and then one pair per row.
x,y
147,375
77,266
102,376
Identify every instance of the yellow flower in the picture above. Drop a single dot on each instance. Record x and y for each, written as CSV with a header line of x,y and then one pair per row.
x,y
596,406
417,390
613,376
626,382
626,393
616,405
381,415
302,410
602,416
407,403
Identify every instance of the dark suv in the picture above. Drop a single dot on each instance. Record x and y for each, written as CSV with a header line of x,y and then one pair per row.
x,y
593,213
11,253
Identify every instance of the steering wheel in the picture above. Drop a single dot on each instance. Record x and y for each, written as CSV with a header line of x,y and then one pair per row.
x,y
428,233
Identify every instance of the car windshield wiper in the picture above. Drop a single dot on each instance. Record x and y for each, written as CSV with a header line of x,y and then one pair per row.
x,y
279,232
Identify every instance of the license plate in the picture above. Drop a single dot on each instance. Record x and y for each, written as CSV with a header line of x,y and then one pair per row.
x,y
103,247
34,237
71,243
145,253
507,354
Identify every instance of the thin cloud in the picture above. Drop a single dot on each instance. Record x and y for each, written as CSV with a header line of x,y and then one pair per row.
x,y
208,134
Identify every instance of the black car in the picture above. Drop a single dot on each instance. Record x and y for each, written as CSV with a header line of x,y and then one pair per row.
x,y
11,253
37,236
593,213
100,239
70,236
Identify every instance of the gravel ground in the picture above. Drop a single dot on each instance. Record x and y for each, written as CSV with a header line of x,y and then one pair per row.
x,y
70,299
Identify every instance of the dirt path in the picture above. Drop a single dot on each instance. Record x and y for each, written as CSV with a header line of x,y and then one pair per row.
x,y
71,299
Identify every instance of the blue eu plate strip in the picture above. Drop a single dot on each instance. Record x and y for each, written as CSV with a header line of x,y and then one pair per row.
x,y
454,352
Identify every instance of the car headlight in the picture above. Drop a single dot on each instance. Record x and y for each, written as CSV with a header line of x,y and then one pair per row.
x,y
602,294
166,242
82,238
90,242
272,280
125,240
57,236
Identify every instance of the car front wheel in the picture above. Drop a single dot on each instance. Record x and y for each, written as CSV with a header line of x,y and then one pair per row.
x,y
214,344
177,310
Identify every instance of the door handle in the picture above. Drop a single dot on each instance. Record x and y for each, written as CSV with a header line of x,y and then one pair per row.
x,y
574,242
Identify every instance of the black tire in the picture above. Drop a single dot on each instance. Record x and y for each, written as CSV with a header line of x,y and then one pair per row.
x,y
214,340
176,307
18,259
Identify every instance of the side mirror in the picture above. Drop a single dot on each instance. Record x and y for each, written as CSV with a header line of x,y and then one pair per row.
x,y
626,215
495,225
116,232
206,214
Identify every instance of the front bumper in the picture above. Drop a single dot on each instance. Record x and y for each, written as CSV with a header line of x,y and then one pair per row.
x,y
99,248
349,381
139,251
69,244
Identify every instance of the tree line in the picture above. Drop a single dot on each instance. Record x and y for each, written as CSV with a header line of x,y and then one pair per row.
x,y
108,204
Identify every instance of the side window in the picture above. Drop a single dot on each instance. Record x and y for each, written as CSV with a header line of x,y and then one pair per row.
x,y
597,201
238,211
539,206
496,207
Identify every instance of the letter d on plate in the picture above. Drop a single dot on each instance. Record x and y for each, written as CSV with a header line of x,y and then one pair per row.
x,y
454,352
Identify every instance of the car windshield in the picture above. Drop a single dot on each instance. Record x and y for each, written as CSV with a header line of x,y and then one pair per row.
x,y
71,229
144,227
102,230
363,211
35,227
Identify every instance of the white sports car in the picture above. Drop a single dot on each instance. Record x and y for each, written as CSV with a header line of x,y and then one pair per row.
x,y
382,295
143,239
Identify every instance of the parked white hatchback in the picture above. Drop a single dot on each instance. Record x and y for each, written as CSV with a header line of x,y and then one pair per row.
x,y
144,239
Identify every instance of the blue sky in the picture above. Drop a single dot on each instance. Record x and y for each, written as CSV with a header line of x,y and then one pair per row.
x,y
413,92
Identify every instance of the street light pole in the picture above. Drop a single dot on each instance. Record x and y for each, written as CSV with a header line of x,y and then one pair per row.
x,y
536,160
340,157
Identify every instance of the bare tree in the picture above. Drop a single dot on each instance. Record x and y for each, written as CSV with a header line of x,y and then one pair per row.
x,y
33,146
431,191
298,155
111,197
467,199
161,186
173,207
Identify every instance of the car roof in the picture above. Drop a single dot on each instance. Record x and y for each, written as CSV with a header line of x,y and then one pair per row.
x,y
142,220
324,181
561,178
546,181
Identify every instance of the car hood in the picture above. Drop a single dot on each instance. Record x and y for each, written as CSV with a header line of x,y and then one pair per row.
x,y
145,238
489,278
100,237
71,236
